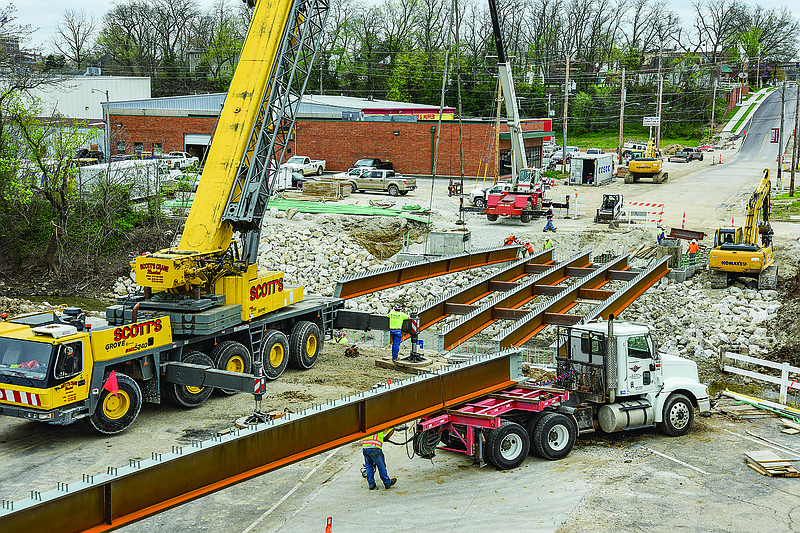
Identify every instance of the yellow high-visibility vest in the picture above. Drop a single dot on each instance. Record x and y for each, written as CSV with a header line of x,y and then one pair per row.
x,y
396,319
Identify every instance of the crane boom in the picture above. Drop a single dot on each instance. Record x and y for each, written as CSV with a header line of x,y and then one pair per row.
x,y
518,160
254,126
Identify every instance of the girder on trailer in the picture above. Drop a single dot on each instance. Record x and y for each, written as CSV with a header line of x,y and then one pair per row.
x,y
384,278
124,495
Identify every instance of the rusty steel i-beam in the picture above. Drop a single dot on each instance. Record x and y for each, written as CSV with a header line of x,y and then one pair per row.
x,y
384,278
124,495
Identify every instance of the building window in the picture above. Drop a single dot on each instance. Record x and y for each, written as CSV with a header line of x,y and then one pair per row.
x,y
138,148
121,147
157,149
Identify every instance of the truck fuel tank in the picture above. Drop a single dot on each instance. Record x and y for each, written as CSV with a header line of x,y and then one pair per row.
x,y
618,416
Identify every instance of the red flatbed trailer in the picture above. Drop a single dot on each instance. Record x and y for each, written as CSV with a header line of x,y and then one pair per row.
x,y
476,429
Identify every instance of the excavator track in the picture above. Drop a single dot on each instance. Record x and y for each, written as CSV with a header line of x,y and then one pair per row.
x,y
719,280
768,279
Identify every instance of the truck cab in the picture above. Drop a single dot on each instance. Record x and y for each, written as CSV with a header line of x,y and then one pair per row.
x,y
620,379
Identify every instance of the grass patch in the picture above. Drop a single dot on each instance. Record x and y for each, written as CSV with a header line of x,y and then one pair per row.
x,y
785,196
743,117
760,96
783,209
610,141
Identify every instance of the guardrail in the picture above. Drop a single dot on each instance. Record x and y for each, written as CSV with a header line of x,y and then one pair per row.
x,y
784,381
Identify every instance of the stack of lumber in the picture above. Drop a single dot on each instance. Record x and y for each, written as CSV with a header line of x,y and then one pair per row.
x,y
645,251
331,189
767,463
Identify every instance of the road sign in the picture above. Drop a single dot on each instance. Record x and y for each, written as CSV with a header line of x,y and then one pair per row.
x,y
773,136
650,121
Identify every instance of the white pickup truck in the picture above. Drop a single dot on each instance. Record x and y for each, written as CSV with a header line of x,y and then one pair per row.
x,y
180,160
305,165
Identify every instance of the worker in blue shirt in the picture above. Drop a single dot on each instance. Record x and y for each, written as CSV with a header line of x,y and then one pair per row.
x,y
396,318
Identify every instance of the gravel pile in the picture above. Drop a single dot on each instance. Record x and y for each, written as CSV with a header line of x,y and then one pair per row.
x,y
695,321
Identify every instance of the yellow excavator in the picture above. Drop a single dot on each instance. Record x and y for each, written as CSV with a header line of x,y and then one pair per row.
x,y
747,251
647,166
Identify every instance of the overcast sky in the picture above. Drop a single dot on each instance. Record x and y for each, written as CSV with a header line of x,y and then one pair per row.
x,y
45,14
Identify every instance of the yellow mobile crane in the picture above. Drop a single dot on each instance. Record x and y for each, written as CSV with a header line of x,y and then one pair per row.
x,y
647,166
206,314
747,251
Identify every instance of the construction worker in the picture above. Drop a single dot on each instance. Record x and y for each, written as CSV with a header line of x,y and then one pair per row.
x,y
509,240
547,244
693,249
372,448
396,318
549,225
660,237
339,337
528,247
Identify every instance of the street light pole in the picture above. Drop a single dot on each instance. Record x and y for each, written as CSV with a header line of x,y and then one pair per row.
x,y
107,119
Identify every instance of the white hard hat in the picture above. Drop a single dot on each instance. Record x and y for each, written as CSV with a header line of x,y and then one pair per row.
x,y
694,241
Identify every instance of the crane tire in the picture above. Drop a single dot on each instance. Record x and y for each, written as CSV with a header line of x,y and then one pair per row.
x,y
274,353
185,395
304,345
116,412
234,357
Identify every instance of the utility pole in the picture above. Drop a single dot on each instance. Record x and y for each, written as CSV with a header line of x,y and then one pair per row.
x,y
660,92
566,106
779,182
713,106
795,147
108,125
621,115
758,69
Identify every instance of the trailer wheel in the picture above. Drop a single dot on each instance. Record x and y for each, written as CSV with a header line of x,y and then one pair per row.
x,y
304,345
491,217
233,357
530,427
507,446
116,412
274,353
185,395
677,417
554,436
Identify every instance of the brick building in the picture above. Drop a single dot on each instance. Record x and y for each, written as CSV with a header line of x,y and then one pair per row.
x,y
338,129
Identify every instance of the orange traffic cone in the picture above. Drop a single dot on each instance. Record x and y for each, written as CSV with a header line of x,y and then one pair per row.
x,y
712,160
329,527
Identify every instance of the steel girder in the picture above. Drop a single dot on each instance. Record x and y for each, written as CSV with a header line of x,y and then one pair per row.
x,y
551,311
505,305
124,495
619,300
384,278
501,281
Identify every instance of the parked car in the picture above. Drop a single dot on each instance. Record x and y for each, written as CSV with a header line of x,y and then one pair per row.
x,y
180,160
572,150
594,151
558,157
688,153
305,165
382,180
478,195
372,162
